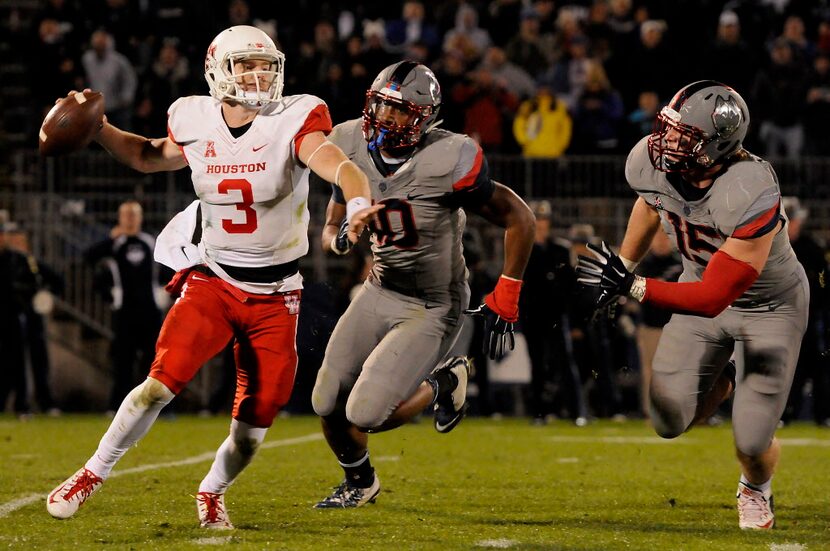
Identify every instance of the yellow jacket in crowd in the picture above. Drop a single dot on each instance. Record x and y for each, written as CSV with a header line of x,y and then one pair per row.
x,y
543,127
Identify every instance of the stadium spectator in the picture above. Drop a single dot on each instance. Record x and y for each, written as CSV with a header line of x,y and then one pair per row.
x,y
129,281
488,107
568,75
529,47
598,115
467,37
55,53
730,59
779,93
411,28
542,126
167,79
813,361
48,283
17,287
112,74
661,262
817,110
508,74
598,31
375,55
647,65
549,285
245,281
641,121
568,28
795,35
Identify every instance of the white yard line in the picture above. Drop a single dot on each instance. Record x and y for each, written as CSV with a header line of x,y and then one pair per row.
x,y
620,440
23,501
16,504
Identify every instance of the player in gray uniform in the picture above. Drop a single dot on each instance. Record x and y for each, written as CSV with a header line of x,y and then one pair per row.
x,y
741,280
379,367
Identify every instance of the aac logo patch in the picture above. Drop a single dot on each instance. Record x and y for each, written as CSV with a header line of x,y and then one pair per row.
x,y
292,302
210,150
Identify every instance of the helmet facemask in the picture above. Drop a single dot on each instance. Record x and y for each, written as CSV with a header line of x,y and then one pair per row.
x,y
677,147
393,124
243,44
268,82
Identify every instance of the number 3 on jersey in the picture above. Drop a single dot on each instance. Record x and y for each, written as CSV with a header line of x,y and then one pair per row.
x,y
396,225
244,187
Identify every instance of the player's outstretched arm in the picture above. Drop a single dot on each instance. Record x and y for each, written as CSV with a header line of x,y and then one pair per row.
x,y
643,223
329,162
140,153
335,231
501,307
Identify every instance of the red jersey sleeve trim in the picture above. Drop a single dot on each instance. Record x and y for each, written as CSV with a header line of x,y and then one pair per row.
x,y
173,139
469,179
318,120
761,225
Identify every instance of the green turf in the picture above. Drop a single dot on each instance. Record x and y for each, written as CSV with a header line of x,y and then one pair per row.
x,y
488,483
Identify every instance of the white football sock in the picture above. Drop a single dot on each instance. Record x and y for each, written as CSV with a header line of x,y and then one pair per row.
x,y
135,416
232,457
765,488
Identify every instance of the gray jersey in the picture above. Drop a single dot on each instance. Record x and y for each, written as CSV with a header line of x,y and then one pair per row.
x,y
417,245
743,202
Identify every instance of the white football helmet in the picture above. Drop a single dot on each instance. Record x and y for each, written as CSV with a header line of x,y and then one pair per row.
x,y
237,44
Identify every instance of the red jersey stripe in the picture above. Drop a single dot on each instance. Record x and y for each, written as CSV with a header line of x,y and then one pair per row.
x,y
318,120
470,178
758,227
173,139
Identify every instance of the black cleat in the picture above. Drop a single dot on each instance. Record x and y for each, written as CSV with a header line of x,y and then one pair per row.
x,y
346,496
451,405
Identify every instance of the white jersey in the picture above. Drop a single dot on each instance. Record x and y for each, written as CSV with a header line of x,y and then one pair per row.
x,y
253,189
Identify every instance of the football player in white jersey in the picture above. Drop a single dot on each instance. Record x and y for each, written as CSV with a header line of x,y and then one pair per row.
x,y
741,282
379,367
249,150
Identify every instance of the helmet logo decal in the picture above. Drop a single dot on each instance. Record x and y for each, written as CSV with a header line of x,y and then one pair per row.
x,y
727,116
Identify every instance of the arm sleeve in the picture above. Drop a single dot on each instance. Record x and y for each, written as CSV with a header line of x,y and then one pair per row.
x,y
724,280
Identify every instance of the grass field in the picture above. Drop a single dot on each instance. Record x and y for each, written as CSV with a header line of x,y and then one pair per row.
x,y
489,484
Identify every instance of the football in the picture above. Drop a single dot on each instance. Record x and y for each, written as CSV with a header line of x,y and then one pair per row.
x,y
72,123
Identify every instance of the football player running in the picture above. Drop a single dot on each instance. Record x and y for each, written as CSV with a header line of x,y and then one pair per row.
x,y
741,280
376,374
249,150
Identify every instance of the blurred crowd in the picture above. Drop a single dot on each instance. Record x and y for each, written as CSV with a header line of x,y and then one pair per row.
x,y
536,77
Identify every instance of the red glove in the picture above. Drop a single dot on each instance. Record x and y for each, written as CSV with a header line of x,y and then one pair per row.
x,y
504,300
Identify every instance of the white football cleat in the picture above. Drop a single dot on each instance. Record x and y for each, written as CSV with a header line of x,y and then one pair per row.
x,y
755,509
212,513
65,500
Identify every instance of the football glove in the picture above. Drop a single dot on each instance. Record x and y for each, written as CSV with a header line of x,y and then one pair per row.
x,y
499,311
340,243
605,275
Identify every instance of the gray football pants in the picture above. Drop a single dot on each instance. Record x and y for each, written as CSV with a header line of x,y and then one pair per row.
x,y
693,351
382,348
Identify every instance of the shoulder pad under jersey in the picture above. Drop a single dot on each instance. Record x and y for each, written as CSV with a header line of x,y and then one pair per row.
x,y
639,172
185,115
348,136
444,153
747,189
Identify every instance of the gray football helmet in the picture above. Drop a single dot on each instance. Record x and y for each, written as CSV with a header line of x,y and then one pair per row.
x,y
704,123
401,106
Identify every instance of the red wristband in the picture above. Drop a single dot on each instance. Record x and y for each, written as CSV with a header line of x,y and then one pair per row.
x,y
724,280
504,300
